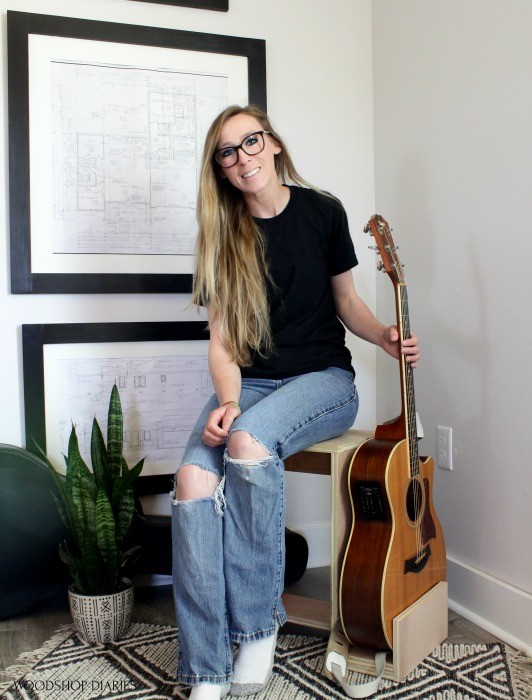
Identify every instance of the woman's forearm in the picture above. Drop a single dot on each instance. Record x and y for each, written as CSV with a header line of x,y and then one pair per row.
x,y
225,373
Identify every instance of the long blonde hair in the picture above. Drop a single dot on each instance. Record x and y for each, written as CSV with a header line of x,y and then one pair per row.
x,y
231,272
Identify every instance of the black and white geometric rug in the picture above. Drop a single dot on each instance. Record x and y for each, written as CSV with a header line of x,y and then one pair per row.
x,y
143,665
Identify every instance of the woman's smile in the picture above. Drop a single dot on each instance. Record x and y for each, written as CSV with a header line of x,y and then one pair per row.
x,y
250,173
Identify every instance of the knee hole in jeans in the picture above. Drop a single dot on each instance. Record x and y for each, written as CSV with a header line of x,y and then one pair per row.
x,y
194,482
242,445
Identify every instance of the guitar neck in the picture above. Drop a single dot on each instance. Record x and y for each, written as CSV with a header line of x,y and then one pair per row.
x,y
407,379
405,425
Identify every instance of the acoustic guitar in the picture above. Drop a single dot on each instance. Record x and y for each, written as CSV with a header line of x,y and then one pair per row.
x,y
396,551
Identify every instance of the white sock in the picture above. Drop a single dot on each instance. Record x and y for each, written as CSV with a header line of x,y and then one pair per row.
x,y
254,661
209,691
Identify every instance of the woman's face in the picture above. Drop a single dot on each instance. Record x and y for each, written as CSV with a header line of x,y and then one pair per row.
x,y
252,174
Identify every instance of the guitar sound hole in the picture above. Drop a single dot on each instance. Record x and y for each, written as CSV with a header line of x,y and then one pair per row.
x,y
414,500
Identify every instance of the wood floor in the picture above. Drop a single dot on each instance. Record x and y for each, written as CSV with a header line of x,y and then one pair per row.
x,y
154,605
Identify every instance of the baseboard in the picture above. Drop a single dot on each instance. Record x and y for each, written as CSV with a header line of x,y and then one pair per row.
x,y
497,607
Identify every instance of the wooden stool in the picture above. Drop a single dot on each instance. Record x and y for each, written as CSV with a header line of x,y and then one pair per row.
x,y
330,457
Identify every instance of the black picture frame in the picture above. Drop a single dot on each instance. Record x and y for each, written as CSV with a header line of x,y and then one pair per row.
x,y
218,5
20,26
36,336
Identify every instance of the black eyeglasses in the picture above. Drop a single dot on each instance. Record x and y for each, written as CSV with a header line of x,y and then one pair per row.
x,y
251,145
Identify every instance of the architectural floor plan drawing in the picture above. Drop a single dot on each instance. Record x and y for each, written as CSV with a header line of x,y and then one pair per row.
x,y
126,143
161,399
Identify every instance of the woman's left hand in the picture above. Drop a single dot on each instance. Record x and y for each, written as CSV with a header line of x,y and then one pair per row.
x,y
218,424
410,347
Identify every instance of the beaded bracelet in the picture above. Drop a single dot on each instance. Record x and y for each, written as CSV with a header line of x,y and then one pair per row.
x,y
231,403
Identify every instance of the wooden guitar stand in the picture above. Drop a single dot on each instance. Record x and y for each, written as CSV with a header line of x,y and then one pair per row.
x,y
417,631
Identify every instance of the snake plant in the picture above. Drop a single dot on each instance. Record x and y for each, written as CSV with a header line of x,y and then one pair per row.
x,y
97,507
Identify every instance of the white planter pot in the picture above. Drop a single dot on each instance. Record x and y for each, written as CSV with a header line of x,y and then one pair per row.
x,y
101,619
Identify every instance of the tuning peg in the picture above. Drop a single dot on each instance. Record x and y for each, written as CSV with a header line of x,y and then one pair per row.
x,y
380,266
367,229
373,247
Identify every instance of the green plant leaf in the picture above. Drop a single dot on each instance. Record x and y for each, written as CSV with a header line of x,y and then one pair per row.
x,y
78,515
115,433
129,557
63,513
121,485
99,458
134,472
66,508
75,566
106,535
76,465
126,509
86,526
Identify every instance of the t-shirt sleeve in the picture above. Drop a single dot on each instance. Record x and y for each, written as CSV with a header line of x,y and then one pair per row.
x,y
341,251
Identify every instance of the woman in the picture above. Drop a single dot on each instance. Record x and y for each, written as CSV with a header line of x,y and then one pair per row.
x,y
273,269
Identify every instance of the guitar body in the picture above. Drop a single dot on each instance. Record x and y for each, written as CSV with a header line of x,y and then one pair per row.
x,y
396,550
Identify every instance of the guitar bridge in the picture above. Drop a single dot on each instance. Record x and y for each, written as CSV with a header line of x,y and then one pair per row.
x,y
370,500
418,563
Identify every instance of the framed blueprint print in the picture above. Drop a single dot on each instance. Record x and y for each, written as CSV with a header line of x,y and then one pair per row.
x,y
219,5
160,370
106,129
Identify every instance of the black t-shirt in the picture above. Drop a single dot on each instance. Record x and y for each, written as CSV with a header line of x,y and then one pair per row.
x,y
306,244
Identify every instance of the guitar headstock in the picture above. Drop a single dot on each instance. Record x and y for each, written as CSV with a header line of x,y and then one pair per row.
x,y
380,230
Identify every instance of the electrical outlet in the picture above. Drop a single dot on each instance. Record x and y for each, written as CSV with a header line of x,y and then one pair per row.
x,y
444,447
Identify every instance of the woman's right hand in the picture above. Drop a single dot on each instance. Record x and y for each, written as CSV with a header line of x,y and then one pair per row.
x,y
219,423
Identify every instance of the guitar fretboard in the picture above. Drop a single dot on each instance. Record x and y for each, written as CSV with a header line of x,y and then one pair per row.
x,y
408,383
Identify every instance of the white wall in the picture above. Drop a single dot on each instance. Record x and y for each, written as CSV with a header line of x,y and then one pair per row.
x,y
453,162
320,99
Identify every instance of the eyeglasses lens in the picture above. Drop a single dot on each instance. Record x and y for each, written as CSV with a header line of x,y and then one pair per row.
x,y
251,145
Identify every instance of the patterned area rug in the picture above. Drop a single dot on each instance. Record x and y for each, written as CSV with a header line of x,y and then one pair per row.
x,y
142,665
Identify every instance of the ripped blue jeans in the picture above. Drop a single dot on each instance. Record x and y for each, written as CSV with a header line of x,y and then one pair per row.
x,y
228,549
